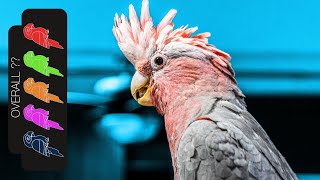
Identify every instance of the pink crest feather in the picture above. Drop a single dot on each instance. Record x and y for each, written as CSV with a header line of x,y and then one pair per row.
x,y
138,40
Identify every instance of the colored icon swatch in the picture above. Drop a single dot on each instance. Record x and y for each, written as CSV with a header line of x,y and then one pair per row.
x,y
40,36
40,64
40,90
40,144
40,117
37,89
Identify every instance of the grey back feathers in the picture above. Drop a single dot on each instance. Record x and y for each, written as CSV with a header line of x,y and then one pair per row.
x,y
231,145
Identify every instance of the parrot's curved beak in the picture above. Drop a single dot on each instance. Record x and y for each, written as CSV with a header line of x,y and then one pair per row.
x,y
140,89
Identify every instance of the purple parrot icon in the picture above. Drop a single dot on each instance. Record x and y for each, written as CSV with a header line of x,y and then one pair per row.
x,y
40,117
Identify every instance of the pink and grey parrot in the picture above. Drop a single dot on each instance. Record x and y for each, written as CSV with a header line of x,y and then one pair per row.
x,y
192,84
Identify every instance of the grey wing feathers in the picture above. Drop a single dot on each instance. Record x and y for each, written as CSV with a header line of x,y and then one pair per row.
x,y
207,152
223,149
245,122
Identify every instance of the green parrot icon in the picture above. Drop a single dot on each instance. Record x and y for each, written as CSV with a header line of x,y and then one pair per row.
x,y
40,64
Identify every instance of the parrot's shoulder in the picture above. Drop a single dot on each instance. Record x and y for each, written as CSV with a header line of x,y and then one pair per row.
x,y
226,142
208,151
241,119
41,58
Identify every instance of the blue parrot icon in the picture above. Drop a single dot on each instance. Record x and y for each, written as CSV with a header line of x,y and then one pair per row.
x,y
40,144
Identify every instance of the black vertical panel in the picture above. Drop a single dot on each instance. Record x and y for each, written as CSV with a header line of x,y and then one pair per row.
x,y
55,21
15,114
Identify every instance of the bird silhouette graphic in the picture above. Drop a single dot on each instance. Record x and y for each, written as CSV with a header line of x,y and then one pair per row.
x,y
40,117
40,90
40,64
40,144
40,36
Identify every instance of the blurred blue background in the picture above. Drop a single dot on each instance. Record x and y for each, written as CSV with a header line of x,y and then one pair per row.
x,y
275,47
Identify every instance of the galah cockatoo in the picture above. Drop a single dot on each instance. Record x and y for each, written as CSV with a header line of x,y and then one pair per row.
x,y
210,132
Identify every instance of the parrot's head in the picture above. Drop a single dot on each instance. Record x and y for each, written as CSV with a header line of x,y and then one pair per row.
x,y
27,139
28,58
27,31
28,111
170,64
28,84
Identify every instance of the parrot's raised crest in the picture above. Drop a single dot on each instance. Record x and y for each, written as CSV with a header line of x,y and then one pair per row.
x,y
140,39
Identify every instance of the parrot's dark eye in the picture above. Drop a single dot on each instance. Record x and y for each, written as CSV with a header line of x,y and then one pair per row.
x,y
158,61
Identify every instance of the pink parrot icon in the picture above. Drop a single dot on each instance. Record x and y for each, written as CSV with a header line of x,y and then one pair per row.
x,y
40,117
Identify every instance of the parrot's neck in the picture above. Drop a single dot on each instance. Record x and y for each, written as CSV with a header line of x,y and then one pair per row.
x,y
184,93
177,120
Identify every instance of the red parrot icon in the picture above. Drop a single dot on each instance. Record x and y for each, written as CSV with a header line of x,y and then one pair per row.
x,y
40,36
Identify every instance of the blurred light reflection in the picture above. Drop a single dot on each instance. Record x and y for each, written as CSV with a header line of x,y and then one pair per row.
x,y
128,128
112,84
